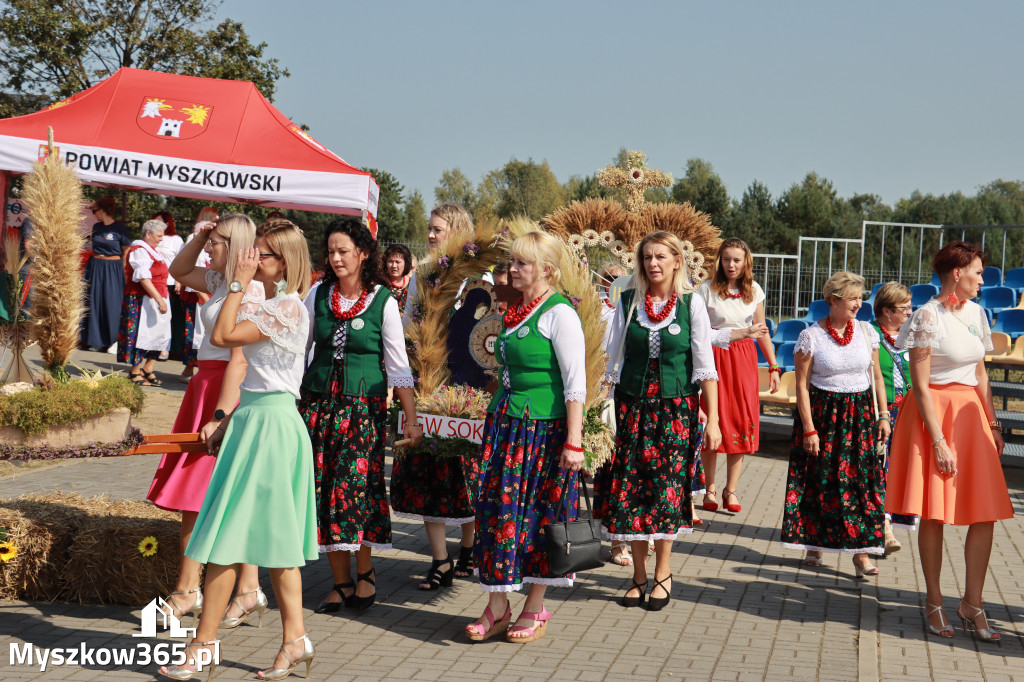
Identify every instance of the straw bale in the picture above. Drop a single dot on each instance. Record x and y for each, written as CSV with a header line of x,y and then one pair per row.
x,y
42,533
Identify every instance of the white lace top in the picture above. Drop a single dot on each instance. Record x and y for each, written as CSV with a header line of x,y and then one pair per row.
x,y
275,363
209,311
701,339
730,313
835,368
958,340
561,325
396,360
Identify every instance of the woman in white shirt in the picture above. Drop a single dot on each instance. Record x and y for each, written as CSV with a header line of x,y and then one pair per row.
x,y
358,352
836,482
145,310
169,247
260,505
944,462
736,303
661,344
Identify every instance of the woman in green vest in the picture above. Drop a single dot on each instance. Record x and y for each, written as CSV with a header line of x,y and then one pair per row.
x,y
358,352
660,359
892,309
532,443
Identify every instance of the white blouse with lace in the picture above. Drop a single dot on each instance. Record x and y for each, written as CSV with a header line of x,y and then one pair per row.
x,y
396,360
276,362
730,313
560,325
835,368
958,340
702,337
208,312
142,260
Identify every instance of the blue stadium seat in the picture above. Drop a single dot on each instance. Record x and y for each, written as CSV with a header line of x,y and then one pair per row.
x,y
761,360
788,331
988,314
874,290
1010,321
993,277
1015,280
771,326
921,293
816,311
998,299
866,312
935,279
784,356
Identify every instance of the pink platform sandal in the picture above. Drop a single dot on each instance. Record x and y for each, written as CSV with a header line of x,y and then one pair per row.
x,y
531,633
478,633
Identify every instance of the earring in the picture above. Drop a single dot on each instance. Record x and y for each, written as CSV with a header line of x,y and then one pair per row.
x,y
953,300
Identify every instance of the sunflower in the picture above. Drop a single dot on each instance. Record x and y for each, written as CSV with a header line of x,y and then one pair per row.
x,y
7,551
148,546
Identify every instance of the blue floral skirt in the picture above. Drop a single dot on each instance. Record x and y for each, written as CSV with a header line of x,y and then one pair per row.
x,y
521,491
131,310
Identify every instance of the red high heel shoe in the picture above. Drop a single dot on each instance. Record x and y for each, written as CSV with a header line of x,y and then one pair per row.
x,y
710,505
734,508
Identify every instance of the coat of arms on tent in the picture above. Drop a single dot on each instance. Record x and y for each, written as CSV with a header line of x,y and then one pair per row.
x,y
177,119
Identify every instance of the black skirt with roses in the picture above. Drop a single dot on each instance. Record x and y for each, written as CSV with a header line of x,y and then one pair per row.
x,y
439,489
835,499
348,452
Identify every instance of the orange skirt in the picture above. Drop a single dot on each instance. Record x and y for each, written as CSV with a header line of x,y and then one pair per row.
x,y
977,493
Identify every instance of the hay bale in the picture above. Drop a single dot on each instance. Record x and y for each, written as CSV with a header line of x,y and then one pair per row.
x,y
42,534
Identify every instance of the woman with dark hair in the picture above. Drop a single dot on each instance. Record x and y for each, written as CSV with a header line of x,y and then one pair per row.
x,y
169,247
397,266
735,303
357,353
145,311
104,276
944,465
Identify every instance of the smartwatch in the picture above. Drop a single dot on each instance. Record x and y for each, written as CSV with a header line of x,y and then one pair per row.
x,y
235,287
219,414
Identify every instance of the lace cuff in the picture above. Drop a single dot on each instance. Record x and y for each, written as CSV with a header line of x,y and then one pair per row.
x,y
611,377
401,382
704,375
576,397
721,338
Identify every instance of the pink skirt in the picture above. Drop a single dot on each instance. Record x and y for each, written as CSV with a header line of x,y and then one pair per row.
x,y
739,406
181,479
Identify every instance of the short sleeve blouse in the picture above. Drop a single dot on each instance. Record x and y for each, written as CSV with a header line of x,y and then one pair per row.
x,y
958,340
208,312
835,368
730,313
276,362
108,240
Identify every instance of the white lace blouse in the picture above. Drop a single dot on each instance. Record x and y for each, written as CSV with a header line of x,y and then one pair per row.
x,y
701,339
958,340
208,312
730,313
561,326
275,363
396,360
835,368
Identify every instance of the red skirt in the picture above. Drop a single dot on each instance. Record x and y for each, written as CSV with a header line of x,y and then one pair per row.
x,y
181,479
739,407
977,493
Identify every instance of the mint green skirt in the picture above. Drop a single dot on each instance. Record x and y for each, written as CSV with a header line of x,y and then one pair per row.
x,y
260,506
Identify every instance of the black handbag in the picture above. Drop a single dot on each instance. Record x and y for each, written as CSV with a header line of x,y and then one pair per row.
x,y
573,546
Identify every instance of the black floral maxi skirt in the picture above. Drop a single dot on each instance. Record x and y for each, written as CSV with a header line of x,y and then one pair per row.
x,y
835,499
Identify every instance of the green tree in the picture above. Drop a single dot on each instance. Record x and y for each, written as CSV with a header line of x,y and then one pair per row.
x,y
703,188
455,188
55,49
755,220
525,188
809,209
390,216
415,218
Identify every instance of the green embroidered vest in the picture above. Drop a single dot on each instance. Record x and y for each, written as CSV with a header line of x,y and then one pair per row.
x,y
676,361
363,364
888,365
528,359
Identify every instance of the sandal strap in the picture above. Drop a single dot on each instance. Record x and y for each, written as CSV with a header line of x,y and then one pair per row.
x,y
291,661
363,578
338,587
435,575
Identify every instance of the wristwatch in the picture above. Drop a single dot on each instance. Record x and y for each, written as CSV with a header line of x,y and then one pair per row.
x,y
219,414
235,287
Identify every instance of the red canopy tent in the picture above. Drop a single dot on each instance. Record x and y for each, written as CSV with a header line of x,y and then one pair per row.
x,y
202,138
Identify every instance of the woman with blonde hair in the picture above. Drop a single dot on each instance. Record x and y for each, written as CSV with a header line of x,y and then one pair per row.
x,y
945,454
736,304
191,299
836,482
661,358
260,505
532,443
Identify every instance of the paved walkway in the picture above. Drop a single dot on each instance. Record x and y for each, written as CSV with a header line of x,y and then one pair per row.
x,y
742,609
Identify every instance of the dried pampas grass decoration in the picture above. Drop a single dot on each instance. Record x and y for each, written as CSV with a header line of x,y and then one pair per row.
x,y
53,195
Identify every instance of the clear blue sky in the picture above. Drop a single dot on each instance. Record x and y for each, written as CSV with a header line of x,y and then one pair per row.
x,y
879,97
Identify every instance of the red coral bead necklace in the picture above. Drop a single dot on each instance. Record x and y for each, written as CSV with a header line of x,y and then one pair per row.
x,y
665,312
847,336
517,313
890,339
351,312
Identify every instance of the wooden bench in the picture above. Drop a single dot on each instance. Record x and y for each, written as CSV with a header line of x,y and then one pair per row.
x,y
168,442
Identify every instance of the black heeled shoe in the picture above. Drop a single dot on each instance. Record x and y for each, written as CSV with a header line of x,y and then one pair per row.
x,y
658,603
466,564
335,606
633,602
362,603
435,579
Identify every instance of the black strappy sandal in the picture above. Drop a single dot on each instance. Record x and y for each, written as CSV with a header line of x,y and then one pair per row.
x,y
362,603
633,602
153,381
435,578
466,564
658,603
334,606
139,379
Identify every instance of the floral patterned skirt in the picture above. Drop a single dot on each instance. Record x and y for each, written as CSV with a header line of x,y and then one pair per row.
x,y
643,492
834,500
521,491
131,310
348,456
429,488
189,307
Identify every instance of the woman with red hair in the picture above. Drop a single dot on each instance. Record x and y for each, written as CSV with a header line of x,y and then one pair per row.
x,y
944,464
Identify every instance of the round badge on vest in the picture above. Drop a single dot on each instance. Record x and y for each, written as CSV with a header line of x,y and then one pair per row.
x,y
674,329
357,323
523,331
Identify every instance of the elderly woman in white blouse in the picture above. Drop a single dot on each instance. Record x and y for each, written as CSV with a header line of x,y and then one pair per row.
x,y
145,309
661,341
836,484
